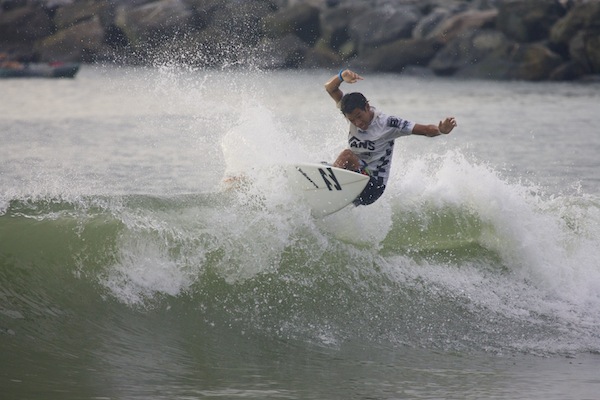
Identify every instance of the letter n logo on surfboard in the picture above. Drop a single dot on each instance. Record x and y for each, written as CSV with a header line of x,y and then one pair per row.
x,y
330,179
324,188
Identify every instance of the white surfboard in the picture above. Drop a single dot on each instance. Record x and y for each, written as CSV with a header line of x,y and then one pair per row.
x,y
324,188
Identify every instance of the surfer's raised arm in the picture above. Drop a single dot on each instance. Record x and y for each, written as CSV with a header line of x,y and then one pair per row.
x,y
333,85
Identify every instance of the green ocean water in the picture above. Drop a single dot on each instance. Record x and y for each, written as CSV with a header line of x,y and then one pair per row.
x,y
129,270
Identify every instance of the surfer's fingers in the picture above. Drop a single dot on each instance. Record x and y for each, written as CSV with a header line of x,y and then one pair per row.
x,y
449,120
356,78
351,76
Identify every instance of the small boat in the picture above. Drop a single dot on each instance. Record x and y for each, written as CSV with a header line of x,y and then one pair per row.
x,y
39,70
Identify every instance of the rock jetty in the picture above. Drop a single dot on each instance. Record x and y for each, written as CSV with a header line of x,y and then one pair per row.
x,y
530,40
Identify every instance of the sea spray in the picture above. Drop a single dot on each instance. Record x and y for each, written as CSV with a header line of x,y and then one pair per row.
x,y
543,268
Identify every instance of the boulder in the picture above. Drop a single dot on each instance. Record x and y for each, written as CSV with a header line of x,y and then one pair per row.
x,y
430,22
222,33
584,16
335,23
81,42
466,50
286,52
530,62
301,19
209,47
534,62
592,46
24,24
438,11
454,6
578,50
528,20
497,65
321,57
462,23
153,22
7,5
236,23
576,36
203,11
568,71
395,56
584,49
383,25
77,12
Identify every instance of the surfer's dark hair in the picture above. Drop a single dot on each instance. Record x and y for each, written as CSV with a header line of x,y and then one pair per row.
x,y
352,101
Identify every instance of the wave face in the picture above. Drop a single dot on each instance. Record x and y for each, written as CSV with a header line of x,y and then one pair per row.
x,y
453,258
129,270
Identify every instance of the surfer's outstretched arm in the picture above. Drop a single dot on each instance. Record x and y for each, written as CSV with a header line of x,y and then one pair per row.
x,y
444,127
332,86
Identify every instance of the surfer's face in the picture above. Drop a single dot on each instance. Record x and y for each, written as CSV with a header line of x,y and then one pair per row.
x,y
361,118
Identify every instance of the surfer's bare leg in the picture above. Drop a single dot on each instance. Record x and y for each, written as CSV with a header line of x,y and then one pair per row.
x,y
347,160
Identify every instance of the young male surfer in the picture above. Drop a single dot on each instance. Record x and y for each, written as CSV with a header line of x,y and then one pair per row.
x,y
372,134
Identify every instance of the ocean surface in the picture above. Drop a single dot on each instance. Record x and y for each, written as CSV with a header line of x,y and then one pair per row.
x,y
130,270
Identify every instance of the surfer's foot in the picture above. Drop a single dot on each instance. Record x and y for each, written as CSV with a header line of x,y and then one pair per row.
x,y
234,182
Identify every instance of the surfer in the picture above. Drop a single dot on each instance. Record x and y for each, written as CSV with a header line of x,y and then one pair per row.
x,y
372,134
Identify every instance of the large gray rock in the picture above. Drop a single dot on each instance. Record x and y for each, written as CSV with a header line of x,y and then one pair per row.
x,y
528,20
461,23
584,49
430,22
335,23
321,57
147,24
240,23
467,50
204,10
77,12
592,45
222,33
24,24
396,56
577,36
80,42
383,25
534,62
437,12
515,61
286,52
301,20
584,16
568,71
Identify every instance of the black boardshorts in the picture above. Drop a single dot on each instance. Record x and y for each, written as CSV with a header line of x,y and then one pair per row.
x,y
371,192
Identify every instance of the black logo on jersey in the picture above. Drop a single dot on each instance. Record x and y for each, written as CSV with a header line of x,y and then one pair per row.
x,y
361,144
398,123
393,122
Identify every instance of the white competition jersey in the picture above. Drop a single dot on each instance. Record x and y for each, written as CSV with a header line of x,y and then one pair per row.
x,y
375,146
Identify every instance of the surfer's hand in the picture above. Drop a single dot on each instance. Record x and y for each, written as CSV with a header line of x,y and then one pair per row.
x,y
447,125
351,76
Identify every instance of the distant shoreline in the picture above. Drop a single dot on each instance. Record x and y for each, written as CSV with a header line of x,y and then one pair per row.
x,y
532,40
